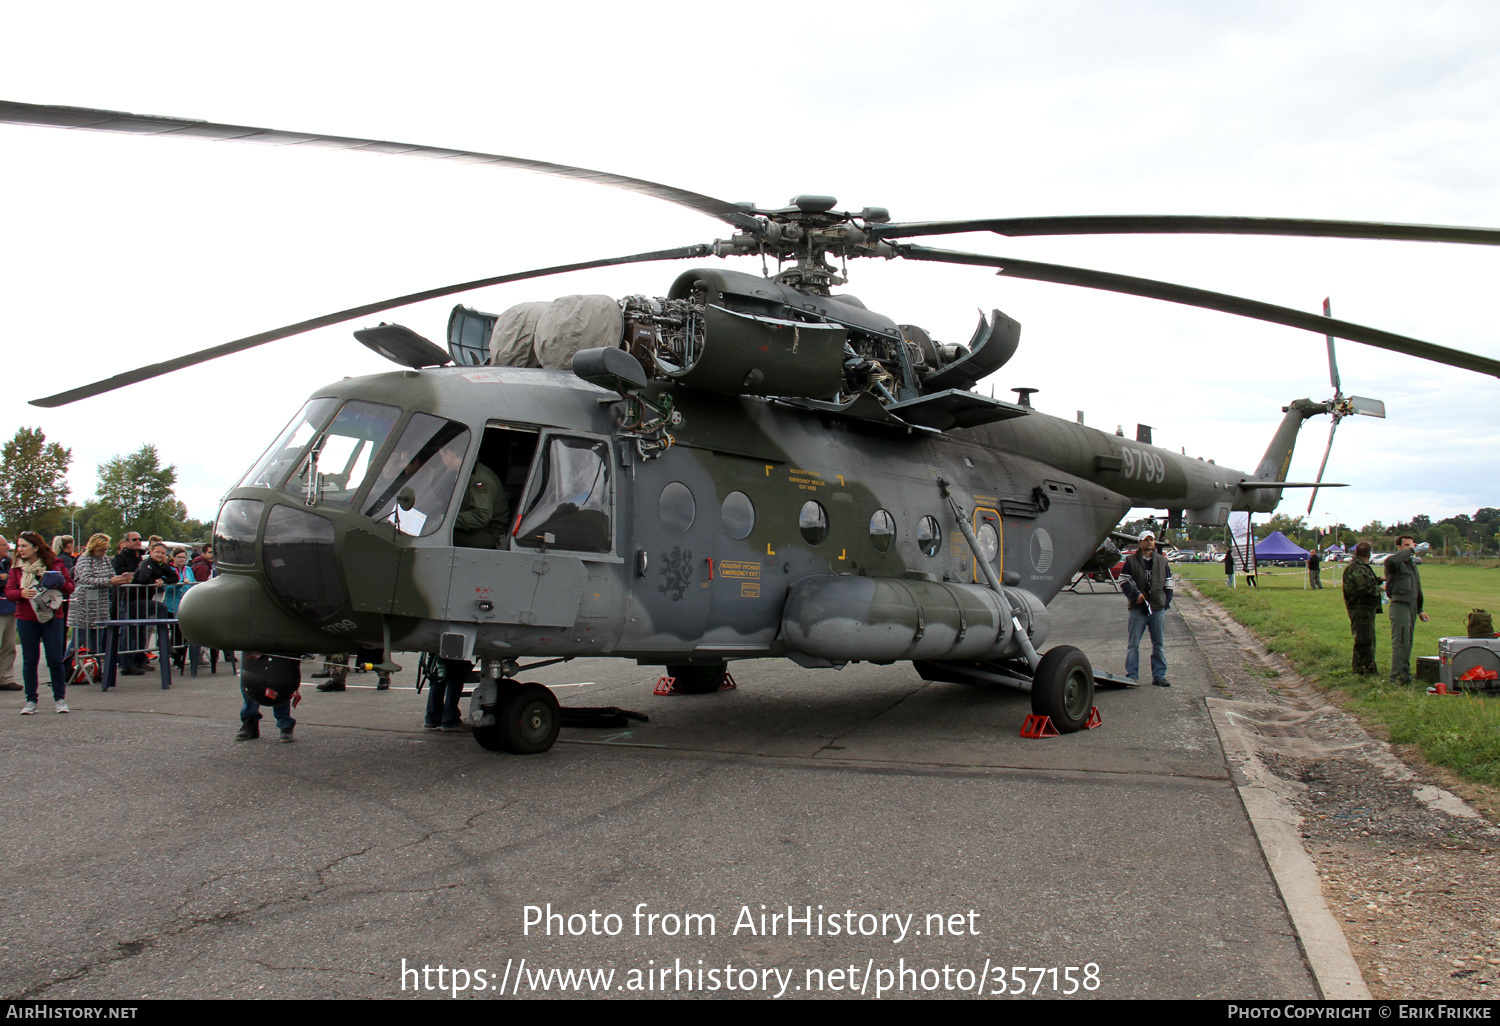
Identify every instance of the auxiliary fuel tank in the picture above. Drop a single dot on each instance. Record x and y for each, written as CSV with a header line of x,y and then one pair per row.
x,y
886,619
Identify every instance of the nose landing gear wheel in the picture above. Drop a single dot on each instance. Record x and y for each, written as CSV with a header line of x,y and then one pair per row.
x,y
1063,688
527,720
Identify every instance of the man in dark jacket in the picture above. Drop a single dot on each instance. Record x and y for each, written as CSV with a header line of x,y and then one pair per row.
x,y
128,560
1146,581
158,570
1403,584
129,604
1362,601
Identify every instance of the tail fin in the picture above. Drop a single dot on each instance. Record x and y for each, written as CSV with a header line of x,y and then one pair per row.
x,y
1278,458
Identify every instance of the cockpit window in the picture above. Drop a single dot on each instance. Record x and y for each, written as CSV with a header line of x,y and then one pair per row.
x,y
416,484
569,506
285,452
344,451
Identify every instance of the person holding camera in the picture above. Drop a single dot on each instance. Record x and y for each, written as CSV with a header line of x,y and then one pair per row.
x,y
1146,581
39,585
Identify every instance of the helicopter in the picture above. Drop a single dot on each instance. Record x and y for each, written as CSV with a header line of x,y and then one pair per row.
x,y
748,466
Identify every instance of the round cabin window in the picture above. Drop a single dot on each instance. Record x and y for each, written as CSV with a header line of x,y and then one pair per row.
x,y
989,542
738,515
677,508
813,520
929,536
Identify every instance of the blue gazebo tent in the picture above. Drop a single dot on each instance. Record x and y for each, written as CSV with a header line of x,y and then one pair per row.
x,y
1278,546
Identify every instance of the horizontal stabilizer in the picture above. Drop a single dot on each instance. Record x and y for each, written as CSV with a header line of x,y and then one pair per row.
x,y
1290,484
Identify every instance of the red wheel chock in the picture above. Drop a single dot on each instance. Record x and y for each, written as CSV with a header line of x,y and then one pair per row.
x,y
668,685
1037,727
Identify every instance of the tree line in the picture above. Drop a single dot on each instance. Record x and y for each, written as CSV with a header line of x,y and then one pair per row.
x,y
135,493
1461,534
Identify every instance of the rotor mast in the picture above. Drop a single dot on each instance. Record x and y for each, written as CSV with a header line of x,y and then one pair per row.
x,y
807,233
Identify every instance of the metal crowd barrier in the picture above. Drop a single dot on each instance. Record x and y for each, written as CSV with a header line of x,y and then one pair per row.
x,y
136,611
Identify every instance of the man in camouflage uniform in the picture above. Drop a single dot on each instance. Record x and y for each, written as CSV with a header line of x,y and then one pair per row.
x,y
1362,600
1404,586
484,518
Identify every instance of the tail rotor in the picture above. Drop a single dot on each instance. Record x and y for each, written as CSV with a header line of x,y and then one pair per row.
x,y
1339,407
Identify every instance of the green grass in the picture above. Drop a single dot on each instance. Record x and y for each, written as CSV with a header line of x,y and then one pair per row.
x,y
1311,629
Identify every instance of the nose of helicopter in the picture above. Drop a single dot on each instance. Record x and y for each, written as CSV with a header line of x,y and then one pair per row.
x,y
235,611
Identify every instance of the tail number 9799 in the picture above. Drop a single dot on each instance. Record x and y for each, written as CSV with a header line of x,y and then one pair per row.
x,y
1144,466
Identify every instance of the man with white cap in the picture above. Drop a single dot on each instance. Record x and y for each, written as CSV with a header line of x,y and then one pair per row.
x,y
1146,581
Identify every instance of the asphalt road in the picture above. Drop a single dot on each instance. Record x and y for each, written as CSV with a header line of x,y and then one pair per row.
x,y
149,855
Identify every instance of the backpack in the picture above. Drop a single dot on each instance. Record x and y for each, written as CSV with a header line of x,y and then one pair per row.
x,y
1481,625
85,669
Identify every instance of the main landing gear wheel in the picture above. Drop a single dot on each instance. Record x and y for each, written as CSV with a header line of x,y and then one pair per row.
x,y
699,679
527,720
1063,688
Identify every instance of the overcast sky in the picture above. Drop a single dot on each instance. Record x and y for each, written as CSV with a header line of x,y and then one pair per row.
x,y
120,251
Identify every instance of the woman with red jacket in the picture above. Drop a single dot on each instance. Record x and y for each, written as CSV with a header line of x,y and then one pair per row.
x,y
39,584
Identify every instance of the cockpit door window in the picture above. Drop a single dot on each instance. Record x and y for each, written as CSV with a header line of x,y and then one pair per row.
x,y
415,486
568,504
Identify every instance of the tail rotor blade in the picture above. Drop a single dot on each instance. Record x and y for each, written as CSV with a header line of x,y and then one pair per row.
x,y
1324,465
1333,364
1367,407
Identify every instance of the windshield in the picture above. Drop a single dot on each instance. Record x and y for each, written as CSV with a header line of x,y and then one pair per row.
x,y
283,454
345,451
417,481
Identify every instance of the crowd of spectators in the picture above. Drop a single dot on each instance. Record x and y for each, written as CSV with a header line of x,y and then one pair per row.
x,y
55,597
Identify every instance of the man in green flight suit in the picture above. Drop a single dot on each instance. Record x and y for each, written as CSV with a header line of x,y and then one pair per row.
x,y
1404,586
1362,600
484,518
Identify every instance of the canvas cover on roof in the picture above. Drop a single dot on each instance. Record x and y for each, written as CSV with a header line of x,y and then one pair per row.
x,y
512,342
571,323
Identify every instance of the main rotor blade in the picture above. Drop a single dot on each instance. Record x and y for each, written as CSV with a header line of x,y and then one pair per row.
x,y
1333,364
1172,224
1224,303
1321,466
148,124
131,377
